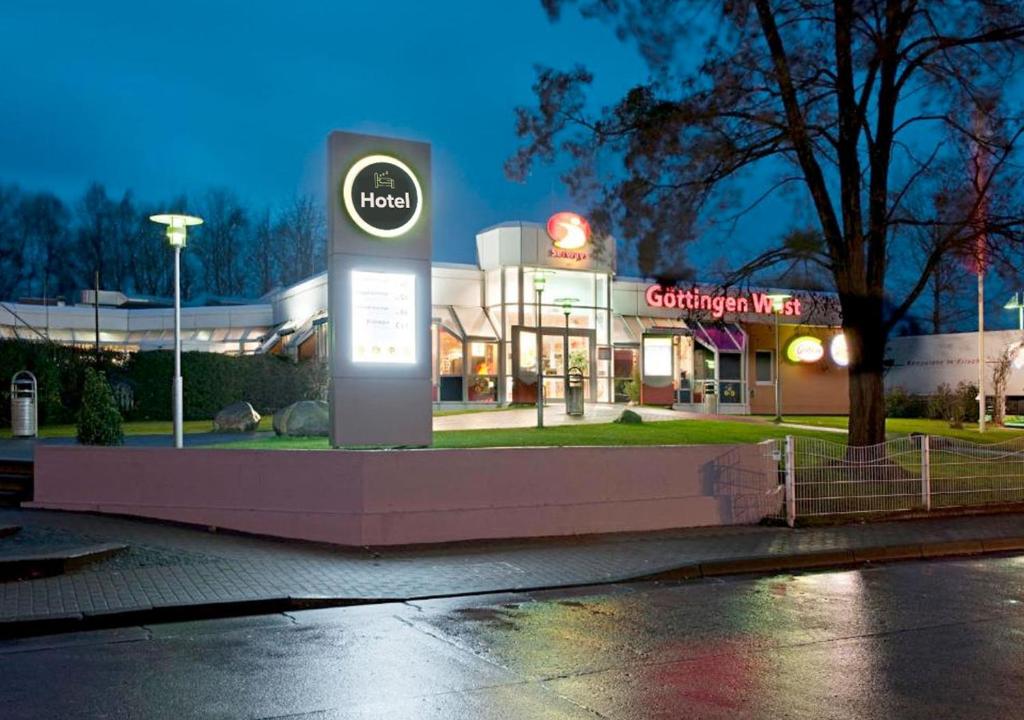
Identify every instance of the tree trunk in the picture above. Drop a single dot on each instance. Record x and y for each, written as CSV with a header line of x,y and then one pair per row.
x,y
862,324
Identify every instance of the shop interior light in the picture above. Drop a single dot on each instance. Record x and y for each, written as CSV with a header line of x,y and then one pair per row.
x,y
839,351
805,349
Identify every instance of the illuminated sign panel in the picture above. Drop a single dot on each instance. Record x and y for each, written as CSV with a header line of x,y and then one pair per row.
x,y
382,196
839,351
570,234
805,349
383,316
718,304
657,356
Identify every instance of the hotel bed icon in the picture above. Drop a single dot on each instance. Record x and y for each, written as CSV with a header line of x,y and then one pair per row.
x,y
383,180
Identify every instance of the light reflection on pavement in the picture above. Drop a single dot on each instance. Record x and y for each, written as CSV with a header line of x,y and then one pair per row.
x,y
912,640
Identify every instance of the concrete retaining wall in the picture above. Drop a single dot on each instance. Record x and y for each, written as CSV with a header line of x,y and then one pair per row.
x,y
417,496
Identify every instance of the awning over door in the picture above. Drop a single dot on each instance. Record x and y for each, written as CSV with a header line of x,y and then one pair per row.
x,y
728,337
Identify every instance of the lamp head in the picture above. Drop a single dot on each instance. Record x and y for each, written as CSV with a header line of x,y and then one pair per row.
x,y
567,304
177,225
1013,303
540,278
778,300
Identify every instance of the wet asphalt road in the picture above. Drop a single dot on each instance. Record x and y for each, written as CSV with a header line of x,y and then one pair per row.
x,y
940,639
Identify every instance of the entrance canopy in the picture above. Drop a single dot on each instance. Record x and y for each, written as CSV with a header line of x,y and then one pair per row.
x,y
728,337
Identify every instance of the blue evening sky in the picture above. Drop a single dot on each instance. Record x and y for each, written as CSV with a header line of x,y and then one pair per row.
x,y
166,98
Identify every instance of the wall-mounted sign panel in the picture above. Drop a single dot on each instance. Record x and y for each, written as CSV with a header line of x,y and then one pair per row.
x,y
805,349
658,356
378,286
383,313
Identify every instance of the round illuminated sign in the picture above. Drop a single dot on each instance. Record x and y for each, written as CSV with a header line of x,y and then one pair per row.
x,y
382,196
838,350
568,230
805,349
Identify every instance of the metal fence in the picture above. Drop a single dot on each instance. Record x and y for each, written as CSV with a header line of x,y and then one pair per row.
x,y
921,472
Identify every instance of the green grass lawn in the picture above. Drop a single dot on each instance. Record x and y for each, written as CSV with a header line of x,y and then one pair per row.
x,y
140,427
670,432
464,411
905,426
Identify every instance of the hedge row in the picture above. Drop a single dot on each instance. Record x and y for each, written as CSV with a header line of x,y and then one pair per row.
x,y
142,381
214,381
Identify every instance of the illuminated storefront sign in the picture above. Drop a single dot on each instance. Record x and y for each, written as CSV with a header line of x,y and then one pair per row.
x,y
805,349
838,350
382,196
570,234
718,304
383,312
657,356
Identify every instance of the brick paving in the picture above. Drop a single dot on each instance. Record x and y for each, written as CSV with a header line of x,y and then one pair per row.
x,y
171,565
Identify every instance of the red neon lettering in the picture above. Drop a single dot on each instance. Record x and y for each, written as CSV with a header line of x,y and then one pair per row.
x,y
717,306
654,296
762,303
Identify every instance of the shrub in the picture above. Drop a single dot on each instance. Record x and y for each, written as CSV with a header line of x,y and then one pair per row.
x,y
628,417
99,421
901,404
954,405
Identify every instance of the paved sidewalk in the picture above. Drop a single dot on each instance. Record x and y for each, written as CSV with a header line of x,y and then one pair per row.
x,y
169,566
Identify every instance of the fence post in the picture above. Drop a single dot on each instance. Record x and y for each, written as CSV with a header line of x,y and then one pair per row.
x,y
926,472
790,481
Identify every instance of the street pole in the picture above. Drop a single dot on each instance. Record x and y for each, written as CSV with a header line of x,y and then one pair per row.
x,y
565,363
96,314
981,348
177,230
778,379
176,388
540,365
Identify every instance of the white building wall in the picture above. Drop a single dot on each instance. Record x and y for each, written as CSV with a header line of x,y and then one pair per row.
x,y
920,363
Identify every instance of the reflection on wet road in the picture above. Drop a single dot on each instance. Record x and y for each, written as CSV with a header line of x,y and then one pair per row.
x,y
912,640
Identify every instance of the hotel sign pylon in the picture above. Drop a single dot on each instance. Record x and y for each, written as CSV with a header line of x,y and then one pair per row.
x,y
379,249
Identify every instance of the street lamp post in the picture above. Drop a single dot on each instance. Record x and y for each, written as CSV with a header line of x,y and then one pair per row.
x,y
177,228
566,304
539,280
778,302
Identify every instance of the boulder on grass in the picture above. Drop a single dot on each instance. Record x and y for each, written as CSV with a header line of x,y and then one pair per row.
x,y
236,417
303,419
628,417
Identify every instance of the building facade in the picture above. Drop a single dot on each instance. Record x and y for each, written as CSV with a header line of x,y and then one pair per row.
x,y
697,347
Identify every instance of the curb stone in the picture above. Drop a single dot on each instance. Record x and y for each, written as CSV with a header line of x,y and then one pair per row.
x,y
165,613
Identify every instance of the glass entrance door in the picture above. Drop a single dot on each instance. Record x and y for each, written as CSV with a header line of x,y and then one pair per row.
x,y
581,355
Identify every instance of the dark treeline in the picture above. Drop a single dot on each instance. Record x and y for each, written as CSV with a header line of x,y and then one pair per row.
x,y
51,247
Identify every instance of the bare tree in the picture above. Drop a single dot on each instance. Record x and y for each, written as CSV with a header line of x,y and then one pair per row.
x,y
11,242
45,237
220,243
265,255
857,103
93,234
1000,377
302,229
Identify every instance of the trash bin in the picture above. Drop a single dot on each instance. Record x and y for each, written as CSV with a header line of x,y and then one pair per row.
x,y
574,401
710,398
24,409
